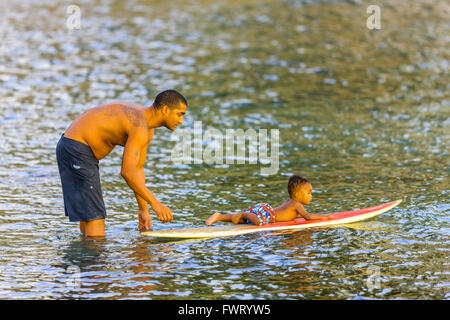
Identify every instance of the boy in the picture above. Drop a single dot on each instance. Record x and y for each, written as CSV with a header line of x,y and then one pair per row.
x,y
92,136
262,213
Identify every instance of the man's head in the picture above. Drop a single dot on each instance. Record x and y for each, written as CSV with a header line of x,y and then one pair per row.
x,y
172,106
299,189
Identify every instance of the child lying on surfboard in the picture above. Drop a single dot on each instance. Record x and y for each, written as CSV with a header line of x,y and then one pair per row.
x,y
299,190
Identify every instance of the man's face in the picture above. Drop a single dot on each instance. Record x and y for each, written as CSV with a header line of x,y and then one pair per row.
x,y
174,117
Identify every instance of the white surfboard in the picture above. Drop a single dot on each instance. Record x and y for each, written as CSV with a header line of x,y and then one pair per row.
x,y
300,223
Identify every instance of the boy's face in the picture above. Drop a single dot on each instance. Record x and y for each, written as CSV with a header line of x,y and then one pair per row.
x,y
303,194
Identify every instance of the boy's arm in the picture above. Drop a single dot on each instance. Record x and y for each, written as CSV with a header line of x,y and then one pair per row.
x,y
308,216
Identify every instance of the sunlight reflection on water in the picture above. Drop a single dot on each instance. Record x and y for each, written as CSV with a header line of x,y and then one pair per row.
x,y
364,115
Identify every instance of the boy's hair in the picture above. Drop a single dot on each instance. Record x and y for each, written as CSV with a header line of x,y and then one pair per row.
x,y
170,98
296,181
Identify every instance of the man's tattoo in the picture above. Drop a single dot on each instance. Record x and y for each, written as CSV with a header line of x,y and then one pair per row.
x,y
134,116
110,112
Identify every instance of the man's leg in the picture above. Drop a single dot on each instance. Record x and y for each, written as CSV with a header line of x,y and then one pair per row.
x,y
93,228
83,227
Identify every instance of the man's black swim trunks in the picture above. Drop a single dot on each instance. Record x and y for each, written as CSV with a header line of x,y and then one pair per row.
x,y
80,179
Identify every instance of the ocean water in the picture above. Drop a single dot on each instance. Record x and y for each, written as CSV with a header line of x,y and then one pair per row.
x,y
363,114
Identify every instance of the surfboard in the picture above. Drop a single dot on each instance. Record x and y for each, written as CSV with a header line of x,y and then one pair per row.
x,y
299,223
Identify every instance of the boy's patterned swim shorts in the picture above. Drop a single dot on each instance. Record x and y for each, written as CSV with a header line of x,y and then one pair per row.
x,y
264,212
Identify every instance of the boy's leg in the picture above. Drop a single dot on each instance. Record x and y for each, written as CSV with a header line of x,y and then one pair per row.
x,y
238,218
253,218
93,228
218,217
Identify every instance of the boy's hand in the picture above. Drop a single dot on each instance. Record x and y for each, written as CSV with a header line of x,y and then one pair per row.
x,y
164,213
145,221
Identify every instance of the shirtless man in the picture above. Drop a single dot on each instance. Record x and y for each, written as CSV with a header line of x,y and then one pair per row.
x,y
92,136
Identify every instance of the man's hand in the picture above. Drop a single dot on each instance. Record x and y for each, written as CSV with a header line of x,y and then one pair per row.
x,y
164,213
145,221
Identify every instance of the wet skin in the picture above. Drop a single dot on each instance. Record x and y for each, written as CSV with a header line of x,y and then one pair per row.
x,y
130,126
289,210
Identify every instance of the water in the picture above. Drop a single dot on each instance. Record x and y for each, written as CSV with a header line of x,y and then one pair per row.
x,y
363,114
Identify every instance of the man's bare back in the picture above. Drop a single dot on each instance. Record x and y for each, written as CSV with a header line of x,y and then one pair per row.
x,y
131,126
105,126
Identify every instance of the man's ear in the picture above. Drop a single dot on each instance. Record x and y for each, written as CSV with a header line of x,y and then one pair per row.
x,y
165,110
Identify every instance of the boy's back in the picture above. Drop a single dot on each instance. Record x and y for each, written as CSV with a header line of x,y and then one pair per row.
x,y
288,211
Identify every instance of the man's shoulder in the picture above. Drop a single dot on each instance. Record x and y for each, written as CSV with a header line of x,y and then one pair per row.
x,y
140,135
133,114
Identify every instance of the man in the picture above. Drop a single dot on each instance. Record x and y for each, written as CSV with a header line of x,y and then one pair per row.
x,y
92,136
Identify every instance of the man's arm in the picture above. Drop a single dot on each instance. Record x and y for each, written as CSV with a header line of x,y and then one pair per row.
x,y
145,220
133,171
142,204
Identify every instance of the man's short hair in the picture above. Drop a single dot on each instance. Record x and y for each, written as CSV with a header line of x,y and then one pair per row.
x,y
170,98
296,181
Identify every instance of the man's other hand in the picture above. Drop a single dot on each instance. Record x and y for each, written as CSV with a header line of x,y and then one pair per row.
x,y
164,213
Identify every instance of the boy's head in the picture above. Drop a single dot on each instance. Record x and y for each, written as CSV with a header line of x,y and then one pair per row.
x,y
173,106
299,189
